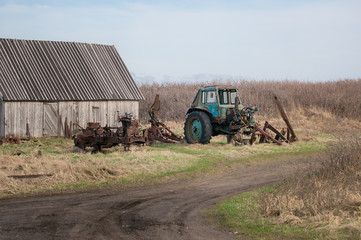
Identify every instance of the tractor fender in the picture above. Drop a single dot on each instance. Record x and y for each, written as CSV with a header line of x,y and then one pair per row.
x,y
203,109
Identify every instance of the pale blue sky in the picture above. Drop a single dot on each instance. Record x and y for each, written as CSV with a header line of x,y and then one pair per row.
x,y
200,40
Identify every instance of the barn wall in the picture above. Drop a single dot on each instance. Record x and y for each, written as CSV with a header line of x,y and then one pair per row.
x,y
49,119
18,114
2,119
107,111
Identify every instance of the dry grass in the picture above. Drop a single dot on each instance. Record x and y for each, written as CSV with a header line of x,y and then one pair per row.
x,y
328,198
115,166
310,113
341,98
70,168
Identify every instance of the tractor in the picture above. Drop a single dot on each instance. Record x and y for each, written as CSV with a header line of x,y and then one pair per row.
x,y
217,110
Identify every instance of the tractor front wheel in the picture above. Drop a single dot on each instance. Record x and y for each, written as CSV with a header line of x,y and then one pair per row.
x,y
198,128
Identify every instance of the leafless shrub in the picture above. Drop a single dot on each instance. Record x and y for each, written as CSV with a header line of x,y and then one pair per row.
x,y
329,195
341,98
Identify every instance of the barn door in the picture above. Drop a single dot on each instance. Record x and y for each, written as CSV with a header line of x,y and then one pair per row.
x,y
51,119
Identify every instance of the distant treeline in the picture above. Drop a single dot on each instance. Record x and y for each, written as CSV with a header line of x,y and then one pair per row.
x,y
342,98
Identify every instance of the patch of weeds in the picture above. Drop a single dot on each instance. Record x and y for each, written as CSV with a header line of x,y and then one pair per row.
x,y
243,214
317,203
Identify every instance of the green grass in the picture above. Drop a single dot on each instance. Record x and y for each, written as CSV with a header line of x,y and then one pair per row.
x,y
146,165
242,214
207,160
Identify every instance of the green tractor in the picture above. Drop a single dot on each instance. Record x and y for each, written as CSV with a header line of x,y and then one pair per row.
x,y
217,110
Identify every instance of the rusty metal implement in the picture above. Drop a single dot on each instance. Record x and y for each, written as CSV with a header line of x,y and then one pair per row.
x,y
279,135
129,133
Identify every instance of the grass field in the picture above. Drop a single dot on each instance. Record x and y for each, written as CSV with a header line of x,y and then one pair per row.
x,y
113,167
146,165
263,214
242,214
321,202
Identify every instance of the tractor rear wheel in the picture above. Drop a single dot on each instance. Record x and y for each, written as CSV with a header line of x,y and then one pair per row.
x,y
198,128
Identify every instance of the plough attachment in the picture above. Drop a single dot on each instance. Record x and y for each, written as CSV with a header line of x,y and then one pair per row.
x,y
286,135
158,131
129,133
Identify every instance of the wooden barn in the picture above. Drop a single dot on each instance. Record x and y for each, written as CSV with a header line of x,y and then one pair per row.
x,y
50,88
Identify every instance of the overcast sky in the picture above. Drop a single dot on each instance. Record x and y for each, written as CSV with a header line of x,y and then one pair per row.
x,y
308,40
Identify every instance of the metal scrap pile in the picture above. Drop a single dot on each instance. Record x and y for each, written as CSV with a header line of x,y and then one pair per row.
x,y
130,132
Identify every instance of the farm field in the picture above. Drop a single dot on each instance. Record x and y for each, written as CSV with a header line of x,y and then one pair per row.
x,y
125,193
152,211
180,120
70,171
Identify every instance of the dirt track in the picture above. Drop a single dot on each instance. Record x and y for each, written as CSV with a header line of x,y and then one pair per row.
x,y
167,211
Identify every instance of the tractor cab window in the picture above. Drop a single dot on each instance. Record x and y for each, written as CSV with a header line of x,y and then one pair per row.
x,y
223,97
204,95
211,97
227,96
233,97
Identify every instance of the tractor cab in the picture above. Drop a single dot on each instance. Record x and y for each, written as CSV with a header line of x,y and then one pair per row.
x,y
217,101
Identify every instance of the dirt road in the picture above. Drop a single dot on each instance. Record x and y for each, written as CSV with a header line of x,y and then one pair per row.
x,y
167,211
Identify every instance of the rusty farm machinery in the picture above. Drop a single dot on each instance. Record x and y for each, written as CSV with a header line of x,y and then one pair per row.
x,y
129,133
215,111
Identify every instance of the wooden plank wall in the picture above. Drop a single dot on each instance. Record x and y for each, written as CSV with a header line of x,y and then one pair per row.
x,y
2,119
17,114
108,111
51,120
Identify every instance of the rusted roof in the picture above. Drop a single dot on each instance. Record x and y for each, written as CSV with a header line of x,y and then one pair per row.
x,y
63,71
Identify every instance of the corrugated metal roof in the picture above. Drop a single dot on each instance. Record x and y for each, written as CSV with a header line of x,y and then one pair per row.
x,y
63,71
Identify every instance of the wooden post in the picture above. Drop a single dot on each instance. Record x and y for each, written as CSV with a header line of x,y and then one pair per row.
x,y
28,131
2,118
70,129
66,127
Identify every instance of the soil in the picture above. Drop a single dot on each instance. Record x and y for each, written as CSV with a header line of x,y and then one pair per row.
x,y
164,211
